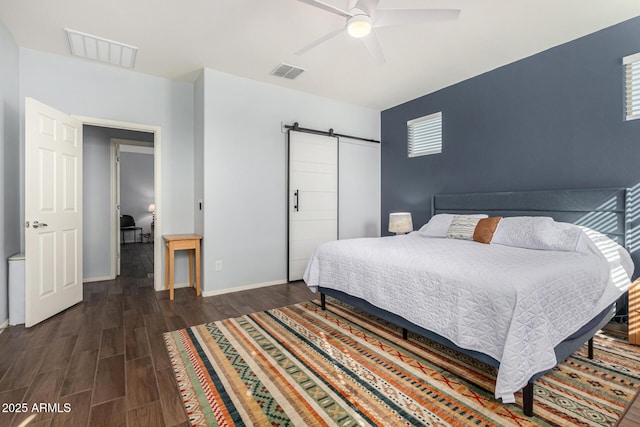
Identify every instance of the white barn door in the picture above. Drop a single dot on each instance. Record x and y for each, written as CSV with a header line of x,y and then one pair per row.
x,y
313,196
53,211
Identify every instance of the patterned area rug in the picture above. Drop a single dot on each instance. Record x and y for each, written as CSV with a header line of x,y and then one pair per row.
x,y
302,366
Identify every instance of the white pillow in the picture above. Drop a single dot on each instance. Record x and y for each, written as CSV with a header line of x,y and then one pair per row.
x,y
537,232
438,225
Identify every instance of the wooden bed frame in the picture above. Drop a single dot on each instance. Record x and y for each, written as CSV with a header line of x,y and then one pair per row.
x,y
603,210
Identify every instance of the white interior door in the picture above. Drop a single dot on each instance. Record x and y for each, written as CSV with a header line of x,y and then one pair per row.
x,y
53,211
313,196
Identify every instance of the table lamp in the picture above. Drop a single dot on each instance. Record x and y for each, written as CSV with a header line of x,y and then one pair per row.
x,y
400,222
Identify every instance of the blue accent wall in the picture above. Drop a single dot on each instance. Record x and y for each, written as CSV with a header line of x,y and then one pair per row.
x,y
554,120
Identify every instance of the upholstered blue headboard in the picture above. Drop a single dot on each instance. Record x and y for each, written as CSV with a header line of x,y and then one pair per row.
x,y
601,209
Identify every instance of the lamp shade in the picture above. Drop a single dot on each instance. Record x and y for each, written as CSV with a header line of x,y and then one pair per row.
x,y
151,208
400,222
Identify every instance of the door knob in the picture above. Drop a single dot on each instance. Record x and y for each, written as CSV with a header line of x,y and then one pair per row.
x,y
37,224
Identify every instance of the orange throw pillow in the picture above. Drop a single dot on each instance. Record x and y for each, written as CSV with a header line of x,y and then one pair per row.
x,y
485,229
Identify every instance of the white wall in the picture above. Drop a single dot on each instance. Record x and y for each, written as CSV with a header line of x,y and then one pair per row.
x,y
91,89
245,218
240,147
359,195
10,224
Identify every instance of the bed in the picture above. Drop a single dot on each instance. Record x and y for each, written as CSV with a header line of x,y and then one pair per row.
x,y
518,309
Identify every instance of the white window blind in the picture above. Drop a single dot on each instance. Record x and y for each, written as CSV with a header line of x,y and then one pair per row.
x,y
425,135
632,86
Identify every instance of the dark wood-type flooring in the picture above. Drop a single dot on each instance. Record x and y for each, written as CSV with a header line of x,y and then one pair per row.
x,y
105,356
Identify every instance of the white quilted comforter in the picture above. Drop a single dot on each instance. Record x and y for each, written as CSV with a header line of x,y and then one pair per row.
x,y
511,303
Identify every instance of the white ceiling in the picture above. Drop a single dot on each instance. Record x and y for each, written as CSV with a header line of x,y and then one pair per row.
x,y
250,38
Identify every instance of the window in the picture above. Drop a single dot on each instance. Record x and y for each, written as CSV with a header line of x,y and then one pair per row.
x,y
632,86
425,135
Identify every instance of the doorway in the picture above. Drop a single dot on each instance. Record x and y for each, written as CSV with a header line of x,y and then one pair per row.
x,y
132,197
109,240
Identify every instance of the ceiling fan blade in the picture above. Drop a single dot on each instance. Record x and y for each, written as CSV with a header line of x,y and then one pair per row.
x,y
327,7
367,6
373,46
319,41
389,17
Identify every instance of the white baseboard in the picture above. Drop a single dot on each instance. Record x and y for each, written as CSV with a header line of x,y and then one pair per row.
x,y
242,288
175,286
229,290
98,279
180,285
4,325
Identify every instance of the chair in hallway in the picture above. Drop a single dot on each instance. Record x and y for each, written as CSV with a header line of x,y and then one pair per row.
x,y
127,223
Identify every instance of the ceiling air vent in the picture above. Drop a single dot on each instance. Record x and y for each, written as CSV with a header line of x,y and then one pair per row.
x,y
287,71
101,49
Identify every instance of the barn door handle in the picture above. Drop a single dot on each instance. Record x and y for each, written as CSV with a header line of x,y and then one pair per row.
x,y
296,206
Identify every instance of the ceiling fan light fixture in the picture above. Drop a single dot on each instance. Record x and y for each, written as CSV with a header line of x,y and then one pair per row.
x,y
359,26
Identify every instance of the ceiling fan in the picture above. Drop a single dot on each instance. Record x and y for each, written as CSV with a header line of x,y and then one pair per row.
x,y
362,16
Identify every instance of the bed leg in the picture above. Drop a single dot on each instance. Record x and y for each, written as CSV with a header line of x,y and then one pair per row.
x,y
590,348
405,333
323,301
527,400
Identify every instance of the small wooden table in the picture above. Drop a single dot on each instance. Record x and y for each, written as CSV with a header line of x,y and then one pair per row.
x,y
176,242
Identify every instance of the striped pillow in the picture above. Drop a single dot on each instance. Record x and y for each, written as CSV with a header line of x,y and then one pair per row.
x,y
462,227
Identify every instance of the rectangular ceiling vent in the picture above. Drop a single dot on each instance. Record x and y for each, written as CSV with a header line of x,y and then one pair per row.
x,y
287,71
101,49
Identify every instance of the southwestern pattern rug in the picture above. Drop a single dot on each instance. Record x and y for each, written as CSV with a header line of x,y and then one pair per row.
x,y
301,366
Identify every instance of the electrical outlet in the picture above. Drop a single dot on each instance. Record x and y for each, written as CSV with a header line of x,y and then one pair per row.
x,y
219,265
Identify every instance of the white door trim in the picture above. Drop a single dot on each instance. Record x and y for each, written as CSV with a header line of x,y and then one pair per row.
x,y
157,184
116,150
115,208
